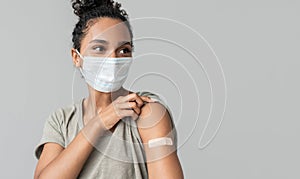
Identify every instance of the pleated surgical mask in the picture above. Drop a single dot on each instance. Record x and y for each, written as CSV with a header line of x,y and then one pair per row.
x,y
105,74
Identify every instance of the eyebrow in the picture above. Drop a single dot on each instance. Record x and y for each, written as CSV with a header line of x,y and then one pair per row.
x,y
106,42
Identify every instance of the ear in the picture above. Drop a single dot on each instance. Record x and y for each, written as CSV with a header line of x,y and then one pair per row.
x,y
77,61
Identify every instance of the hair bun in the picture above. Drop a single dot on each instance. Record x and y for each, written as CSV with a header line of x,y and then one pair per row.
x,y
82,6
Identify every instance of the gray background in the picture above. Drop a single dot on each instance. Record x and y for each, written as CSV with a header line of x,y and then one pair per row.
x,y
257,42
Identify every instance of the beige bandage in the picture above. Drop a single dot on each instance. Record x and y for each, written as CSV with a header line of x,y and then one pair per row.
x,y
159,142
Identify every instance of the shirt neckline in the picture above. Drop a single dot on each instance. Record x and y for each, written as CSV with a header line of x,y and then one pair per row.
x,y
80,108
81,122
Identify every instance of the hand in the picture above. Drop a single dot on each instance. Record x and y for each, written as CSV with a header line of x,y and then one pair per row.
x,y
129,105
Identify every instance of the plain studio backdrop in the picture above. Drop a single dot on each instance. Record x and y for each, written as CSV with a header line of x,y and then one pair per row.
x,y
257,43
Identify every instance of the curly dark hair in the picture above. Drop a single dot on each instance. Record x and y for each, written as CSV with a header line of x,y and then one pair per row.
x,y
89,10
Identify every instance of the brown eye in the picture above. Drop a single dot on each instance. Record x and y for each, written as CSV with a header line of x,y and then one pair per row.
x,y
125,51
99,48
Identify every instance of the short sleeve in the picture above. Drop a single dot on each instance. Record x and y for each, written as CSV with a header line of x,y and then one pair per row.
x,y
51,133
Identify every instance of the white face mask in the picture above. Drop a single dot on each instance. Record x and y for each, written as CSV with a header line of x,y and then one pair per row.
x,y
105,74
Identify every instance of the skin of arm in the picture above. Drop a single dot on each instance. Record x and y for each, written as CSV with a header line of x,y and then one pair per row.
x,y
68,162
57,162
155,122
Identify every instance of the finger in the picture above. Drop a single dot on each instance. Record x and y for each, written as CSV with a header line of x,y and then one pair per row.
x,y
129,97
135,117
131,105
133,97
137,110
139,101
147,99
127,105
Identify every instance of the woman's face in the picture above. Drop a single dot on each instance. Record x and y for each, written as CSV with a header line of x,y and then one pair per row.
x,y
107,37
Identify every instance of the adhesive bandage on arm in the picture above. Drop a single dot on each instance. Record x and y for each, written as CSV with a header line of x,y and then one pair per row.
x,y
159,142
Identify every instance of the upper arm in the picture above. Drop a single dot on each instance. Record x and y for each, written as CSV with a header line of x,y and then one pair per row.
x,y
51,143
154,122
49,153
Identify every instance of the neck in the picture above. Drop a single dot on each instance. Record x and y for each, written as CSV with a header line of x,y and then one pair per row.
x,y
97,100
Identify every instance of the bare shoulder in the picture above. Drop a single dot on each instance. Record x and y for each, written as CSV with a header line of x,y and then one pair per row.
x,y
154,121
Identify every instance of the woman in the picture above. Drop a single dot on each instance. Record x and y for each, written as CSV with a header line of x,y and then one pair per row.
x,y
108,134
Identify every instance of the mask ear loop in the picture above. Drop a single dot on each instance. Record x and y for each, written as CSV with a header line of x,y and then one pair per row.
x,y
73,85
78,53
74,75
82,74
80,68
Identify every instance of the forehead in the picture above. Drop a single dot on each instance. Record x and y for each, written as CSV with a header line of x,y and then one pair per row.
x,y
109,29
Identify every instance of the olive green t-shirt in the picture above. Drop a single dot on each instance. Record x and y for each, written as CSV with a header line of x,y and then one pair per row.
x,y
118,155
